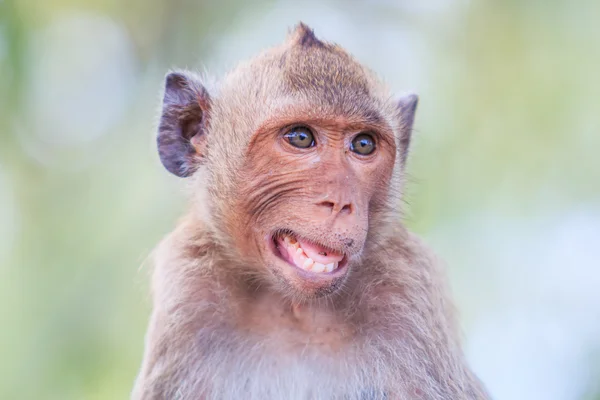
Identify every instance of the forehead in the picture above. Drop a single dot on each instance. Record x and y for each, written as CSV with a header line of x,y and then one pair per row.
x,y
323,71
308,75
327,76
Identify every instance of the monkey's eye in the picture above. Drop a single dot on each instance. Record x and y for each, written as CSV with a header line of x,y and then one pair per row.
x,y
363,144
300,137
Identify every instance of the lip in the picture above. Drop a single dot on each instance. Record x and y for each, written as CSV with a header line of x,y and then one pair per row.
x,y
322,278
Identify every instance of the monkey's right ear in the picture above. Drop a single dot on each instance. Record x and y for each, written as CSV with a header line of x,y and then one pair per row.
x,y
182,130
407,106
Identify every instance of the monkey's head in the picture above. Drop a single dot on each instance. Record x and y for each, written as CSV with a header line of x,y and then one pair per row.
x,y
294,159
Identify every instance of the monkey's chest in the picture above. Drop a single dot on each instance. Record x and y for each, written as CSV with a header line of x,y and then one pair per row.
x,y
298,360
279,351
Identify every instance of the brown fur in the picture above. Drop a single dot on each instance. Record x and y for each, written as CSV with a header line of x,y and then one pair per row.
x,y
229,321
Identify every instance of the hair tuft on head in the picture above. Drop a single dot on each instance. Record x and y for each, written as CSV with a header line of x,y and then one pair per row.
x,y
303,35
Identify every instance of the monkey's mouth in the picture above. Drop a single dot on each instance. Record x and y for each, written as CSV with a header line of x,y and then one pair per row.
x,y
314,259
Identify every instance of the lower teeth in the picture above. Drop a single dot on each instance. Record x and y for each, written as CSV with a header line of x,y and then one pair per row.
x,y
309,264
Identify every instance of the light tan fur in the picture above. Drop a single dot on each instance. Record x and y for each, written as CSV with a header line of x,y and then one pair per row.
x,y
223,327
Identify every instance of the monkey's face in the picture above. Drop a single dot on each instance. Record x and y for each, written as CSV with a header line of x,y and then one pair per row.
x,y
297,149
308,192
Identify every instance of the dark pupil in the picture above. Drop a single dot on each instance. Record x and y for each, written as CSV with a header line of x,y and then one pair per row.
x,y
300,138
363,145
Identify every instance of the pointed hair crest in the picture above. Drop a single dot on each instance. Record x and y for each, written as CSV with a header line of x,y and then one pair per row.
x,y
303,35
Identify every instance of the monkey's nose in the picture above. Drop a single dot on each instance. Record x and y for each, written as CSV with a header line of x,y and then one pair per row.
x,y
332,207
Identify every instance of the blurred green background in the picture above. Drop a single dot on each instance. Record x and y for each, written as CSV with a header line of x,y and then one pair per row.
x,y
505,173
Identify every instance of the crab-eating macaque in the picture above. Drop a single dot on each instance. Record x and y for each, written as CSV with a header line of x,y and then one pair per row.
x,y
292,275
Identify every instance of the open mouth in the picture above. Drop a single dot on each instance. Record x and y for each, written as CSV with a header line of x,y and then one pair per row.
x,y
307,256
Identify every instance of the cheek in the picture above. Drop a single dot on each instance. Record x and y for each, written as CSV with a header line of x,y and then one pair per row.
x,y
375,184
269,192
376,176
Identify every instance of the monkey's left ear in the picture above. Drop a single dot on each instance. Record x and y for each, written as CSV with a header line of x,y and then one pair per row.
x,y
182,131
407,106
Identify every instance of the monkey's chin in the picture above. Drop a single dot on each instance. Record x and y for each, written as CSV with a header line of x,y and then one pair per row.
x,y
311,269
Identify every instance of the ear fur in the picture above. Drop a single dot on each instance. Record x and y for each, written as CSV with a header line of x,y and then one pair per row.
x,y
407,106
182,129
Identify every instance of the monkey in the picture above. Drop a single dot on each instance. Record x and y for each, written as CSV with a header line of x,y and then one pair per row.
x,y
291,274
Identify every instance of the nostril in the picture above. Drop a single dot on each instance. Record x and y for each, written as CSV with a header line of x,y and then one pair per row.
x,y
334,207
328,204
